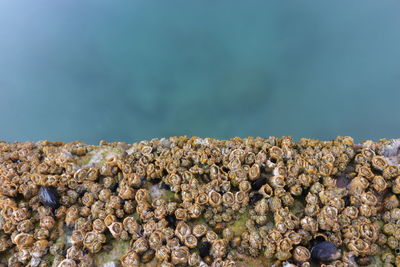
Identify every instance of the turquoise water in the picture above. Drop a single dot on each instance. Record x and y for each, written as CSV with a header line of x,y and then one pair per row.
x,y
132,70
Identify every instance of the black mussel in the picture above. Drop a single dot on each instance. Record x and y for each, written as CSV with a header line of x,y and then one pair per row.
x,y
258,183
171,219
204,248
164,186
255,198
113,187
155,180
49,196
325,251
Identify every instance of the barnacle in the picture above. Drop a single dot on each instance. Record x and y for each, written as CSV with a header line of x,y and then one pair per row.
x,y
301,254
130,259
197,201
180,255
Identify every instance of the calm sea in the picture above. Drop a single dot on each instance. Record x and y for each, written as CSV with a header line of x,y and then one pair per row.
x,y
132,70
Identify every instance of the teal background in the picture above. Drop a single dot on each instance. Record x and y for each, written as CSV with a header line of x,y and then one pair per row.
x,y
132,70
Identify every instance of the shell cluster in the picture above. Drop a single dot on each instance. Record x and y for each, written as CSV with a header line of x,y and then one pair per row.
x,y
186,201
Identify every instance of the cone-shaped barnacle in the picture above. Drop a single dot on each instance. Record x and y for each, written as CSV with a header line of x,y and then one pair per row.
x,y
142,195
180,255
40,248
140,245
311,209
391,202
255,240
147,256
194,211
309,224
351,212
47,222
181,214
23,240
20,214
173,243
294,237
199,230
202,198
211,236
163,253
266,190
77,237
280,170
369,198
379,183
25,226
74,253
245,186
358,185
301,254
218,248
277,181
130,259
254,172
391,171
190,241
276,154
359,246
160,212
369,232
156,239
261,207
305,179
296,190
379,163
214,198
67,263
228,199
364,171
194,259
270,249
325,251
49,196
116,228
214,171
395,215
182,230
126,192
396,186
274,203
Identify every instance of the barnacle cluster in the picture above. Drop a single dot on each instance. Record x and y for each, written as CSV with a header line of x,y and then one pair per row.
x,y
186,201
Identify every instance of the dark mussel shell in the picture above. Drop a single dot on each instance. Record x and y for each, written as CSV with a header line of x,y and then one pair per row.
x,y
49,196
204,249
325,251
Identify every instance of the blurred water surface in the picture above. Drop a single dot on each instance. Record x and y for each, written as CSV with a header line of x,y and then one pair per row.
x,y
132,70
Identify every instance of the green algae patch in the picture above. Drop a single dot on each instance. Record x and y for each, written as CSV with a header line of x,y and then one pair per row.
x,y
169,195
97,157
119,249
239,226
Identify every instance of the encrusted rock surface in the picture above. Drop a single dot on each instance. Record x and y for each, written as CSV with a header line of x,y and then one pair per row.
x,y
183,201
